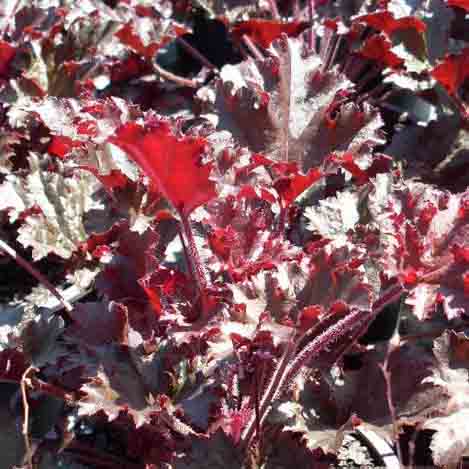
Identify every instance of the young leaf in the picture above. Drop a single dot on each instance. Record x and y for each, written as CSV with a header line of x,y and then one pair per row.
x,y
174,164
452,71
464,4
264,32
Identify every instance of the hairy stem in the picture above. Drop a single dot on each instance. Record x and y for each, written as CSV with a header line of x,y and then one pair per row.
x,y
270,391
296,10
282,219
258,383
311,35
292,362
385,369
195,264
25,428
257,54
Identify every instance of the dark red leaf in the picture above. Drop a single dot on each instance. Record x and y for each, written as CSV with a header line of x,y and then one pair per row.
x,y
464,4
378,48
173,164
290,109
61,146
221,241
264,32
133,259
167,287
97,240
131,67
114,180
381,164
428,249
7,52
385,21
452,72
130,38
309,316
100,323
290,188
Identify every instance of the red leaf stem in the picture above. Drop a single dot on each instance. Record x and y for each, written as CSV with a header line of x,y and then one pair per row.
x,y
311,35
195,264
252,48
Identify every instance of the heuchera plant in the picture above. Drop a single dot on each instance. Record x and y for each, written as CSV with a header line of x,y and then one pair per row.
x,y
267,205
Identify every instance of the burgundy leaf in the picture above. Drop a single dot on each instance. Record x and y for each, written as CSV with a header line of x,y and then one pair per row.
x,y
100,323
264,32
290,108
